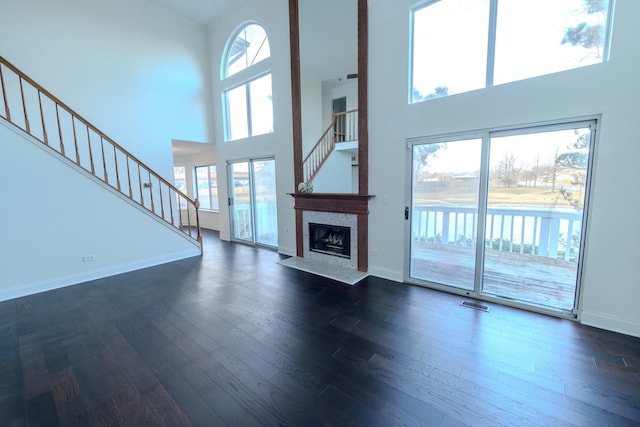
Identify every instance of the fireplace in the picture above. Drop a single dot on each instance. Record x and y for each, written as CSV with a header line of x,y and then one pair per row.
x,y
330,239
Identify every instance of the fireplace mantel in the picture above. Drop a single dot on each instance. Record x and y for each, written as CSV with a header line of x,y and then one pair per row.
x,y
344,203
332,202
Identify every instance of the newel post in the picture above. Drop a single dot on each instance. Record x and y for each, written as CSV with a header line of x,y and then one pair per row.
x,y
197,206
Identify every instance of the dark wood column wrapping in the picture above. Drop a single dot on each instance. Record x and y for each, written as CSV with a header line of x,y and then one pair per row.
x,y
357,204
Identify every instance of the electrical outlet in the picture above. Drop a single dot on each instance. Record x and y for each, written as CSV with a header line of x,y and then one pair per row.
x,y
88,258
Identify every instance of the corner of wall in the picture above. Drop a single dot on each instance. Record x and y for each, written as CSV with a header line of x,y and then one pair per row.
x,y
609,322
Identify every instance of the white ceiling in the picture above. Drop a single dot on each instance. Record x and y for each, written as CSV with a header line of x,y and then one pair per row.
x,y
201,11
328,31
329,38
188,147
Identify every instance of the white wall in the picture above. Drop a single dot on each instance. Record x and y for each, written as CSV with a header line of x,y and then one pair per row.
x,y
348,89
311,104
53,215
274,17
610,282
138,73
336,175
205,156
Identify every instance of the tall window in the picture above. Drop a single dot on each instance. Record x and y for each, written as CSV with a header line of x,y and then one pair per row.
x,y
462,45
207,187
248,106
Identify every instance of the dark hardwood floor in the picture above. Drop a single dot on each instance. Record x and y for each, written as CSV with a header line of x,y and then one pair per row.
x,y
236,339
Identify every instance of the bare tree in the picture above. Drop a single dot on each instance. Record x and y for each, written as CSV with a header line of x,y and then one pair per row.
x,y
576,161
507,172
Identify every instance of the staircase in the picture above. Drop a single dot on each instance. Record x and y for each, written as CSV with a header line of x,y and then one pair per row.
x,y
343,128
31,108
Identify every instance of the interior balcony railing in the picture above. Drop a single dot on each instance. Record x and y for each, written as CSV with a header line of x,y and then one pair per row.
x,y
31,108
343,128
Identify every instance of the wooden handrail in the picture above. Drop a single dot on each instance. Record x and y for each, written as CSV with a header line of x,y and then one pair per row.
x,y
120,154
320,152
315,147
87,123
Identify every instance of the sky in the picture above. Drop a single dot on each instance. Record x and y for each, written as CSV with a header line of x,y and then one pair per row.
x,y
464,156
453,53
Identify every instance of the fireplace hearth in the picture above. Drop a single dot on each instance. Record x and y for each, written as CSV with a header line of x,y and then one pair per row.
x,y
330,239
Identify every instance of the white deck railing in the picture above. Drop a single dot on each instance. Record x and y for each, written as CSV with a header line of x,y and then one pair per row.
x,y
542,232
265,220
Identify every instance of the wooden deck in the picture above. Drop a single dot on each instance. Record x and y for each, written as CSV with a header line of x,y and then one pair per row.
x,y
533,279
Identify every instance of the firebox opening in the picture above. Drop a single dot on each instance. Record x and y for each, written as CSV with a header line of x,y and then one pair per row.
x,y
330,239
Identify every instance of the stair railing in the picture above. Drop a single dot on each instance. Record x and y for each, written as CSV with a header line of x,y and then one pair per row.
x,y
34,110
343,128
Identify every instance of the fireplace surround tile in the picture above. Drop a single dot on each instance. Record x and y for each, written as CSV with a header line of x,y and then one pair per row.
x,y
331,218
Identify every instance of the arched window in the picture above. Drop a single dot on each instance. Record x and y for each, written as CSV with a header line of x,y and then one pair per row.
x,y
248,106
249,46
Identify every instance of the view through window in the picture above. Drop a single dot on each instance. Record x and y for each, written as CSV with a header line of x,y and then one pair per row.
x,y
180,181
463,45
525,206
248,107
207,187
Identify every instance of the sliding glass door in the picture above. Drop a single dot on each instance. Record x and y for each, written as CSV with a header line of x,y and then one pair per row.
x,y
445,195
521,193
253,204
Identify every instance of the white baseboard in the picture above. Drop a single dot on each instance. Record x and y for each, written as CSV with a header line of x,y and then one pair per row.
x,y
610,323
34,288
286,251
386,273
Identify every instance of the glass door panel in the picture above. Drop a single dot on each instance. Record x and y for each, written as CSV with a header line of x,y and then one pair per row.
x,y
266,207
536,195
444,212
240,209
253,207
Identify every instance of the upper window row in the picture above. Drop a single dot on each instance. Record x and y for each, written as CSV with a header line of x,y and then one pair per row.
x,y
247,101
463,45
248,47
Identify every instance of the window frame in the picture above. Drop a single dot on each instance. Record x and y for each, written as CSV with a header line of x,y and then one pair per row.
x,y
249,119
491,46
209,187
181,201
224,72
243,78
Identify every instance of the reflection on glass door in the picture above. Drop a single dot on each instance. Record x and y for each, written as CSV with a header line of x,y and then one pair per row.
x,y
240,209
265,205
444,212
536,197
522,193
253,206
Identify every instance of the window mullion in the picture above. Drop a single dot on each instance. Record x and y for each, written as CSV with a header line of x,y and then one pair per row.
x,y
249,121
209,186
491,48
608,31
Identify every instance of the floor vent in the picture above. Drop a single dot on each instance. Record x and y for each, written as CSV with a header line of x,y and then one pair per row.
x,y
475,306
